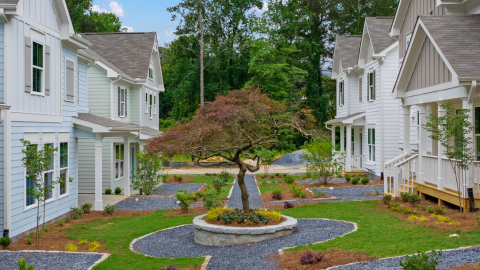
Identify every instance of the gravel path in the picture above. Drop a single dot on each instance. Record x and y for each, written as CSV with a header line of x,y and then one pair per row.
x,y
254,195
178,242
148,203
172,188
49,260
291,160
334,180
449,259
355,193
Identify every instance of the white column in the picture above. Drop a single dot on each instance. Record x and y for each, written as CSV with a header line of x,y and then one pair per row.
x,y
469,182
348,159
98,173
406,129
126,167
342,138
440,150
422,142
333,138
356,140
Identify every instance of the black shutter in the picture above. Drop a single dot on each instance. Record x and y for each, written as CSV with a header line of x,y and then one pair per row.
x,y
126,104
119,101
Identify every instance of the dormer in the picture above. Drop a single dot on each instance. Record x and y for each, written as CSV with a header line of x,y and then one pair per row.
x,y
345,55
376,42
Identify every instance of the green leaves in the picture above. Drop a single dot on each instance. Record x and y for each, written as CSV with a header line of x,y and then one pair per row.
x,y
321,164
148,172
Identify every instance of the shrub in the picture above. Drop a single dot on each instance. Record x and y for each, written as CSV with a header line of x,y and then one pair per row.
x,y
439,211
414,198
67,219
86,207
218,183
421,261
225,176
277,175
211,199
288,205
5,241
240,217
348,177
82,242
118,191
60,223
317,192
76,212
22,265
271,215
71,247
289,180
186,198
304,177
395,207
429,209
30,238
277,196
199,194
94,246
272,176
311,257
355,181
365,180
296,190
109,210
387,198
108,191
442,219
405,196
147,172
46,227
412,217
303,194
215,212
377,192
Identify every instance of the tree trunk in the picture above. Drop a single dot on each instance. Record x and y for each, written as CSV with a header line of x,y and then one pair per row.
x,y
243,188
200,21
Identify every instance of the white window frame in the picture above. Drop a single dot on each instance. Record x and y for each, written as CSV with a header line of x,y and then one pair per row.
x,y
360,90
341,93
155,103
123,104
371,144
418,126
51,171
370,87
42,69
60,169
150,73
146,102
34,205
150,114
120,161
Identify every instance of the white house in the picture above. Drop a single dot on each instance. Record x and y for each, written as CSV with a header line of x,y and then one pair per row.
x,y
43,84
365,68
440,62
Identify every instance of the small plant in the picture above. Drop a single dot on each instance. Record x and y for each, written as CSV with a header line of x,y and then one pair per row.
x,y
94,246
76,212
478,219
348,177
271,215
442,219
277,196
86,207
421,261
71,247
408,211
412,217
82,242
355,181
108,191
430,209
289,180
40,233
303,194
5,242
46,227
414,198
454,223
186,198
387,198
365,180
30,238
67,219
405,196
53,247
215,212
109,210
296,190
218,184
22,265
376,192
288,205
60,223
211,199
423,219
118,191
439,211
277,175
311,257
317,192
304,177
272,176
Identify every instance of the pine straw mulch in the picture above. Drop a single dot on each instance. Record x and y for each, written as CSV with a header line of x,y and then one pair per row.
x,y
460,222
287,195
185,180
196,210
345,184
291,260
466,267
247,224
280,206
56,238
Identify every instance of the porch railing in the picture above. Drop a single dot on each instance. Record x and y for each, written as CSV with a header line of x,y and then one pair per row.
x,y
357,162
431,166
400,173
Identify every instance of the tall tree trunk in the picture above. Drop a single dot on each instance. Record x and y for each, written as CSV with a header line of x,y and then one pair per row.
x,y
200,21
38,220
243,188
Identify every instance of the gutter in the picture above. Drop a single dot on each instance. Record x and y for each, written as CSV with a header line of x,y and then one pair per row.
x,y
382,119
111,94
7,175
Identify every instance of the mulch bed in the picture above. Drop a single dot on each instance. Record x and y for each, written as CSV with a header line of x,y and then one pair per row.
x,y
248,223
466,267
287,195
185,180
373,195
56,238
196,210
291,260
461,222
280,206
344,184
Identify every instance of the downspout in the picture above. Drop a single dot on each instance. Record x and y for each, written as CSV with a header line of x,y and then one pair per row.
x,y
382,124
7,132
111,94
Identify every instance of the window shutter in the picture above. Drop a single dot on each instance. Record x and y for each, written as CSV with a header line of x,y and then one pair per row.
x,y
119,101
374,87
126,104
70,81
28,65
47,70
360,92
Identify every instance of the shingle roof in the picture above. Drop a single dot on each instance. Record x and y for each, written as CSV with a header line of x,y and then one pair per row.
x,y
349,48
378,29
8,2
151,132
130,52
97,56
109,123
458,37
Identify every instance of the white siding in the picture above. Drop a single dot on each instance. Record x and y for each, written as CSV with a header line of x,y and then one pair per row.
x,y
41,11
341,110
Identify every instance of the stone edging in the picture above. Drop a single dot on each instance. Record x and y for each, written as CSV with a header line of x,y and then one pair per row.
x,y
401,256
103,258
231,189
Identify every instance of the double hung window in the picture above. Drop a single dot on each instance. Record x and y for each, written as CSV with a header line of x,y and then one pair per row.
x,y
119,156
341,95
64,175
371,144
37,68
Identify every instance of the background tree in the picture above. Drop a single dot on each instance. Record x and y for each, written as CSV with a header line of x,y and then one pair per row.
x,y
320,161
453,131
229,128
85,20
266,157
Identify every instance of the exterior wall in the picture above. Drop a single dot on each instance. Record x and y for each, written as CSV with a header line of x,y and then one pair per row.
x,y
341,109
430,69
415,9
83,88
2,125
134,105
42,12
146,121
2,57
98,92
153,82
22,101
369,53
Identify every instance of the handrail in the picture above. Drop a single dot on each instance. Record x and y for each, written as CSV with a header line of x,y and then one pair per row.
x,y
406,160
396,159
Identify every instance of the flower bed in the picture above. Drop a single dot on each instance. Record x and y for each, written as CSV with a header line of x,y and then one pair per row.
x,y
293,259
284,192
238,218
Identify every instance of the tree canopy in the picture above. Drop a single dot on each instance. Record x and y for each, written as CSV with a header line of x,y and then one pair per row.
x,y
85,20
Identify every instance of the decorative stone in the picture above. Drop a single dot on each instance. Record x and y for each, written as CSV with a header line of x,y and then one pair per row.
x,y
220,235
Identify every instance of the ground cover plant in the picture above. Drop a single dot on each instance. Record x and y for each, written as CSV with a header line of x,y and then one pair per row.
x,y
239,218
269,192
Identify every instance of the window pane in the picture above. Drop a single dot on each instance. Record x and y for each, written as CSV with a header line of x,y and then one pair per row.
x,y
116,169
122,95
30,189
370,81
37,55
373,153
120,168
48,177
52,163
37,80
63,177
477,120
63,155
373,136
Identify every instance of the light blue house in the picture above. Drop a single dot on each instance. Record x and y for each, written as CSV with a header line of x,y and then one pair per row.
x,y
43,87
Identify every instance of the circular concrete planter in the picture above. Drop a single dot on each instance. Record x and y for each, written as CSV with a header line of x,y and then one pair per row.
x,y
219,235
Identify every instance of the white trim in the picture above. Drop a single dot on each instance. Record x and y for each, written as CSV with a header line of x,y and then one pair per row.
x,y
42,68
32,117
422,97
123,104
67,176
115,162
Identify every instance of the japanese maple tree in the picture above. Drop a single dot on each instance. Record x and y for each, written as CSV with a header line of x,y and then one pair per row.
x,y
228,128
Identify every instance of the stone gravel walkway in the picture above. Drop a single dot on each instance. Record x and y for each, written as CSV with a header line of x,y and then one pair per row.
x,y
353,193
173,188
49,260
149,203
254,195
334,180
179,242
450,258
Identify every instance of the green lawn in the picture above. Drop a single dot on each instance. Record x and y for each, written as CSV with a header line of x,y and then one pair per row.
x,y
379,234
199,179
268,188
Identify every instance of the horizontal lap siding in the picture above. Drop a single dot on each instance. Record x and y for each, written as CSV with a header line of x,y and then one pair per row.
x,y
98,92
83,85
2,59
341,110
2,69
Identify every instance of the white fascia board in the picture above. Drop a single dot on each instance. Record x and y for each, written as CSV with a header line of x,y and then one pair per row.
x,y
399,18
85,125
362,46
387,50
436,93
110,72
152,87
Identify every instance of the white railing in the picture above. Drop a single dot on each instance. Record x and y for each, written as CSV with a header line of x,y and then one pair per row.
x,y
357,162
449,178
430,163
389,172
400,173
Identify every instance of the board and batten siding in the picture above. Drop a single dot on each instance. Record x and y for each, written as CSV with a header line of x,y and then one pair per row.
x,y
98,92
22,101
43,12
415,9
430,69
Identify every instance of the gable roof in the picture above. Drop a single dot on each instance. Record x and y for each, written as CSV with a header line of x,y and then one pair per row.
x,y
8,2
108,123
151,132
378,28
348,48
458,38
128,53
